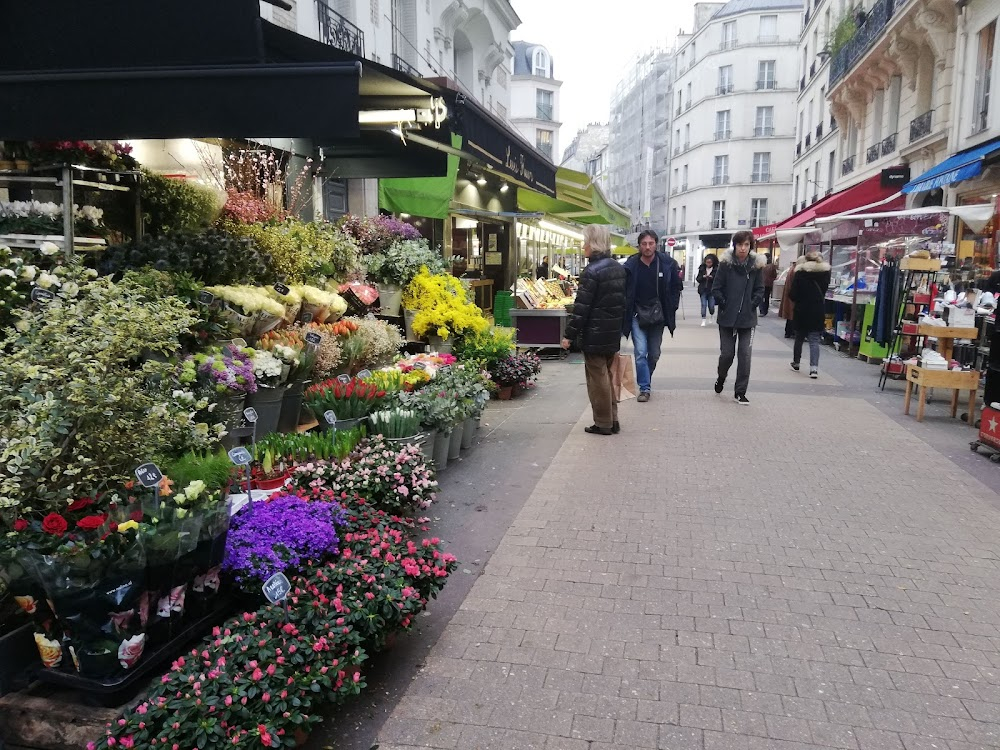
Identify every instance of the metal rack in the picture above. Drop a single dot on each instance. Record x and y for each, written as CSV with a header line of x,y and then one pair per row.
x,y
903,298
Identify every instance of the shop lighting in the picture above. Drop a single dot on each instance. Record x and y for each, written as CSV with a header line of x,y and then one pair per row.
x,y
434,115
481,180
504,188
564,231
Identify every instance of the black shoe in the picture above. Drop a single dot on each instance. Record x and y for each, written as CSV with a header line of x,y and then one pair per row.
x,y
616,428
719,384
643,397
595,430
795,366
741,398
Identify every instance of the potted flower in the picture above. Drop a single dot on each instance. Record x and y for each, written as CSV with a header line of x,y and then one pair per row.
x,y
228,373
395,267
270,373
439,412
443,310
398,426
289,345
252,309
321,305
350,401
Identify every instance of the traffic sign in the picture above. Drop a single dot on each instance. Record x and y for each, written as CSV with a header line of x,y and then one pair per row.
x,y
671,241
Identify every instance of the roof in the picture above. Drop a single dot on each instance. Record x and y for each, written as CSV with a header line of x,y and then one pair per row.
x,y
864,193
523,54
735,7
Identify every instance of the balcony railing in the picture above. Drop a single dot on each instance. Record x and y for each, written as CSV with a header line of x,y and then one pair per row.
x,y
809,140
873,153
724,88
869,31
760,177
543,112
398,63
888,144
720,179
815,197
819,131
920,126
723,135
338,32
684,188
728,44
687,145
848,166
765,84
718,223
763,132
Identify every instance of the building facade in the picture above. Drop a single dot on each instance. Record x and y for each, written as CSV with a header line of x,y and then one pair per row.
x,y
733,107
639,141
534,98
587,142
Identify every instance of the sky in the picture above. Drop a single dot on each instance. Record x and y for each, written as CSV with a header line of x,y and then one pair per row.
x,y
593,43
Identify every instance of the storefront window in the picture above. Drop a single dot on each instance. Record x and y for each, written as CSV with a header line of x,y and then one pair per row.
x,y
979,252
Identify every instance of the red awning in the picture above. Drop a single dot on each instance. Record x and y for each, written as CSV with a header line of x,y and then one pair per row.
x,y
864,193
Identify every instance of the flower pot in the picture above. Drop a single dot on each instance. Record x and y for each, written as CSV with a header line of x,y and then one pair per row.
x,y
518,390
440,345
276,483
399,443
468,432
455,442
291,407
428,447
390,297
408,318
301,737
340,424
230,411
267,402
505,392
441,446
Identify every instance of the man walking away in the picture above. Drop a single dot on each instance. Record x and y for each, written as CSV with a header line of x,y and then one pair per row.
x,y
808,294
738,289
596,323
770,275
654,293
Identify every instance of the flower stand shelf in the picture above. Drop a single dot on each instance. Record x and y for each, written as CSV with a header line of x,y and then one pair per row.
x,y
34,241
919,377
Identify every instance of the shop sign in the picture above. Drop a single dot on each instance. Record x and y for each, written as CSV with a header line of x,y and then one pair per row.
x,y
895,177
276,588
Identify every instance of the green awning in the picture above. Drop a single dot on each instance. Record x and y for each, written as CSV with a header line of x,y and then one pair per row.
x,y
577,199
429,197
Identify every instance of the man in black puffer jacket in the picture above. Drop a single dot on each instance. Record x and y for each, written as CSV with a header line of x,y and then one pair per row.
x,y
596,325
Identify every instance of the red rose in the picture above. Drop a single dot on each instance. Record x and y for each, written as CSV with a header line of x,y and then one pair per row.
x,y
90,523
20,524
53,523
136,515
80,504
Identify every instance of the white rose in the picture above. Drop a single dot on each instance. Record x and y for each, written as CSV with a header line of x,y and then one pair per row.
x,y
7,272
45,280
28,273
71,289
48,248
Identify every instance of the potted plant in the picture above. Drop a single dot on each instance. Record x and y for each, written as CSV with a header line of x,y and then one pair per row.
x,y
395,267
439,412
443,310
350,401
271,374
398,426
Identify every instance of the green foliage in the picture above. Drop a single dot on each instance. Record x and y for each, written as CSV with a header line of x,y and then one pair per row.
x,y
213,257
844,31
395,423
170,205
308,446
401,262
486,348
299,250
212,468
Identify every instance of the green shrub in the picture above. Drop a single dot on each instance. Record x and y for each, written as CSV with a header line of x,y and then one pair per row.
x,y
170,205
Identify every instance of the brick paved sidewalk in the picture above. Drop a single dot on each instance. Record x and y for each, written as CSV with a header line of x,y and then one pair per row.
x,y
800,573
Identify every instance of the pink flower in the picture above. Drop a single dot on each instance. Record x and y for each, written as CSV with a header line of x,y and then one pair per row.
x,y
128,741
257,675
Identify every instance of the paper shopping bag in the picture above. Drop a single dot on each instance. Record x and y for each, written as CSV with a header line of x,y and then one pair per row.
x,y
623,377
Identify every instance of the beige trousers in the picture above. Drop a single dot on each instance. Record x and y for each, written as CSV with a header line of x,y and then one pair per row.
x,y
602,399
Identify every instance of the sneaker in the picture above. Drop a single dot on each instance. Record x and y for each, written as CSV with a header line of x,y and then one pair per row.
x,y
703,322
741,398
616,428
795,366
643,397
718,386
814,373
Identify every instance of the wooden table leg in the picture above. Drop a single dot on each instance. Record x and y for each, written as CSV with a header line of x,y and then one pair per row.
x,y
954,402
906,399
921,403
972,406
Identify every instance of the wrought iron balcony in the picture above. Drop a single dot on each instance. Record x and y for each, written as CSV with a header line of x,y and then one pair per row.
x,y
720,179
763,132
815,197
725,88
728,44
723,135
543,112
401,65
760,177
718,223
869,31
338,32
873,153
888,144
768,85
848,166
921,126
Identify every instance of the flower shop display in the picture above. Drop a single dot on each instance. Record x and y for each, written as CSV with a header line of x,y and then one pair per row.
x,y
292,449
35,217
396,424
443,310
176,205
271,375
393,268
485,348
321,305
350,401
375,234
112,155
515,371
290,346
252,309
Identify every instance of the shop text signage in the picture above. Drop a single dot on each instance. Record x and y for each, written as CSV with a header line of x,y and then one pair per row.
x,y
517,163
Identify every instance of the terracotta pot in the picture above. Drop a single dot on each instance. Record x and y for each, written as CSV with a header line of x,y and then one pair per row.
x,y
271,484
505,392
301,737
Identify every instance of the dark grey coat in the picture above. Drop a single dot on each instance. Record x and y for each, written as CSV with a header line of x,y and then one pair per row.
x,y
596,322
739,289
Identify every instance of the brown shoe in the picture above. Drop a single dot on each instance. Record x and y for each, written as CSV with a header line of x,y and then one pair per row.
x,y
643,397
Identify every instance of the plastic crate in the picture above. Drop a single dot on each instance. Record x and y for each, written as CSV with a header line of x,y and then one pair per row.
x,y
503,303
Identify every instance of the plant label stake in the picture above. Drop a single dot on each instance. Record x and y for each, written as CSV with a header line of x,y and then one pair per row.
x,y
240,456
419,365
343,379
276,589
250,414
150,476
281,289
42,296
365,374
307,317
206,298
240,343
313,338
331,418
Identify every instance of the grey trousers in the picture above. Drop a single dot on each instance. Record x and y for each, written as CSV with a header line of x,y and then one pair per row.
x,y
736,343
602,396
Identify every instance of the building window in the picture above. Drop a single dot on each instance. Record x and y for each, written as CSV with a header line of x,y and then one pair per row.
x,y
541,64
768,30
895,95
722,125
684,217
764,121
720,173
728,35
501,76
543,105
761,167
725,79
375,12
984,72
543,140
795,198
684,180
718,214
687,136
673,220
758,212
688,95
878,115
765,75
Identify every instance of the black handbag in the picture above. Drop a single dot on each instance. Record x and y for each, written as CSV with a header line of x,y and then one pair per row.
x,y
651,314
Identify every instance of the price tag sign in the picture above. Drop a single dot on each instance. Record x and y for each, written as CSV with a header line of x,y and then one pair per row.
x,y
42,295
314,338
365,374
444,368
307,317
276,588
250,414
344,379
149,475
281,289
420,366
240,456
206,298
330,417
240,343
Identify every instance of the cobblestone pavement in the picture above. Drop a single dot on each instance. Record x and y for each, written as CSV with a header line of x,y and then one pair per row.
x,y
805,572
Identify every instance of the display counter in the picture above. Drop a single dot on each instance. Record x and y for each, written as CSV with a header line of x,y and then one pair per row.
x,y
540,328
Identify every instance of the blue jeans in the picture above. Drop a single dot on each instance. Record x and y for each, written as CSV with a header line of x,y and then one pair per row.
x,y
707,304
646,340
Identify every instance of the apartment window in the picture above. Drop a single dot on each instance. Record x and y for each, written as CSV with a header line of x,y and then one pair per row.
x,y
766,74
722,125
758,212
543,140
543,104
687,135
802,124
375,12
795,199
768,29
720,173
688,100
541,63
694,54
725,79
684,217
764,121
805,186
684,181
680,101
673,220
761,167
816,183
895,94
878,115
718,214
829,171
677,179
729,35
984,72
809,119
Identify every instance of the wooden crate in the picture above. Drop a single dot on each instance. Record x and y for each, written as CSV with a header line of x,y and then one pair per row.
x,y
947,332
920,264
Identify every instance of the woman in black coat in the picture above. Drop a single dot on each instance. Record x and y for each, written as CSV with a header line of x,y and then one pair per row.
x,y
705,277
808,295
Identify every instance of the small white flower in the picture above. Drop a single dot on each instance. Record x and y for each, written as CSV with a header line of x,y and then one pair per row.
x,y
48,248
7,272
45,280
28,273
71,289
